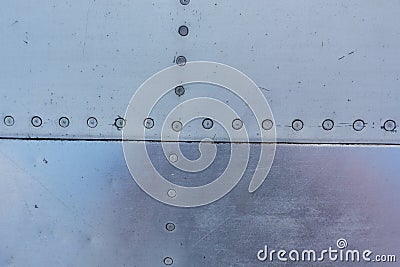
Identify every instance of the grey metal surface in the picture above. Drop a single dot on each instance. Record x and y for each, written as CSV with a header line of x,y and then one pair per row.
x,y
75,204
313,60
69,69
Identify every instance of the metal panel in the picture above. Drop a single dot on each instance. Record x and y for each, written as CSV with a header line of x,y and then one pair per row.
x,y
75,204
313,60
70,68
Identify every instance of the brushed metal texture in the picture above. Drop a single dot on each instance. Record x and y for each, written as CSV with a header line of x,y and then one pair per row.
x,y
75,204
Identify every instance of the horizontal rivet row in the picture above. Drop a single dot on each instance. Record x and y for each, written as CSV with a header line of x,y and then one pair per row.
x,y
297,124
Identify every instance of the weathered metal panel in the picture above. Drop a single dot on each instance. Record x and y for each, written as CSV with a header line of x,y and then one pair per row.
x,y
313,60
70,68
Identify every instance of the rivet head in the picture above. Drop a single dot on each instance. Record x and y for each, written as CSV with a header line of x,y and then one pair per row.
x,y
207,123
267,124
9,121
63,122
168,261
328,124
171,193
170,227
36,121
180,90
185,2
173,158
237,124
120,123
358,125
177,126
181,61
148,123
183,30
297,125
389,125
92,122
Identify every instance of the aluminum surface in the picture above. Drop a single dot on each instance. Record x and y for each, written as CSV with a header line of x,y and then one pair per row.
x,y
75,204
313,60
329,70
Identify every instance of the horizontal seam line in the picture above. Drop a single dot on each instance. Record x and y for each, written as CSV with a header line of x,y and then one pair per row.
x,y
196,141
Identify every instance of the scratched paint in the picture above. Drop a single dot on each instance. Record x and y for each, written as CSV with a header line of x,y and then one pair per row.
x,y
81,60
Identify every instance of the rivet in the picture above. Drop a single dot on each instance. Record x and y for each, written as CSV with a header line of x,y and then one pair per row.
x,y
389,125
171,193
267,124
185,2
183,30
297,125
9,121
92,122
179,90
63,122
119,123
207,123
148,123
168,261
170,227
237,124
36,121
177,126
328,124
173,158
181,61
358,125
